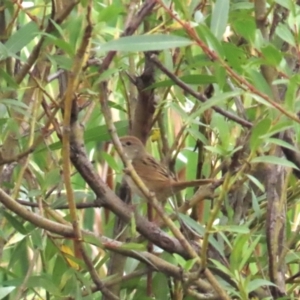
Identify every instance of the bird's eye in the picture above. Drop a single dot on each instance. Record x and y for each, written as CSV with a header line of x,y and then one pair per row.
x,y
128,143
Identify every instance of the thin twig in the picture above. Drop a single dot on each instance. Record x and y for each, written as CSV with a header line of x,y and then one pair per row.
x,y
198,96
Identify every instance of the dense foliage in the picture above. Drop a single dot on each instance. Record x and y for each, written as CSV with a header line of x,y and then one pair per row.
x,y
211,89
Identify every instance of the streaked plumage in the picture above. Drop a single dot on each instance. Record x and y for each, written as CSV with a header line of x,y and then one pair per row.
x,y
154,175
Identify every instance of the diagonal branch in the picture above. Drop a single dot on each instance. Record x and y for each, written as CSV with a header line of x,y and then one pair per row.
x,y
198,96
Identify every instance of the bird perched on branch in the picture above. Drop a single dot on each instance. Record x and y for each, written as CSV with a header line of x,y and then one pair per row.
x,y
154,175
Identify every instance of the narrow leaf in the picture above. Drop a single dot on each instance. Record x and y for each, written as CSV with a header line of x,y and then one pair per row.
x,y
248,252
199,229
262,127
233,228
256,182
285,34
145,43
22,37
275,161
4,291
283,144
219,18
13,102
256,283
215,100
15,223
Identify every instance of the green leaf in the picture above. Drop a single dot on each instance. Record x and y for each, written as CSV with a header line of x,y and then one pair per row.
x,y
285,34
285,3
8,78
190,263
200,229
62,62
100,133
22,37
219,18
37,238
274,160
4,52
107,74
272,55
43,281
256,182
4,291
116,106
161,284
233,228
237,251
256,283
15,223
221,75
145,43
242,5
213,43
215,100
216,150
111,161
60,271
248,252
51,250
107,13
65,46
58,28
95,134
255,205
291,93
260,82
53,177
222,267
179,260
17,255
292,257
91,239
258,130
278,127
235,56
245,27
34,193
220,123
133,246
282,143
13,103
195,79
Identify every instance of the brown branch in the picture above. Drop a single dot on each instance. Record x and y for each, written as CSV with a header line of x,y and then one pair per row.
x,y
33,218
108,244
68,112
158,264
145,106
149,230
22,287
95,277
116,280
78,205
276,209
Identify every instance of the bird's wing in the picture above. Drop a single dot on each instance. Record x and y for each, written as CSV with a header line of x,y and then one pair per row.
x,y
152,172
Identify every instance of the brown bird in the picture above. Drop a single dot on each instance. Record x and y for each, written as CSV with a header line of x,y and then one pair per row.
x,y
154,175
